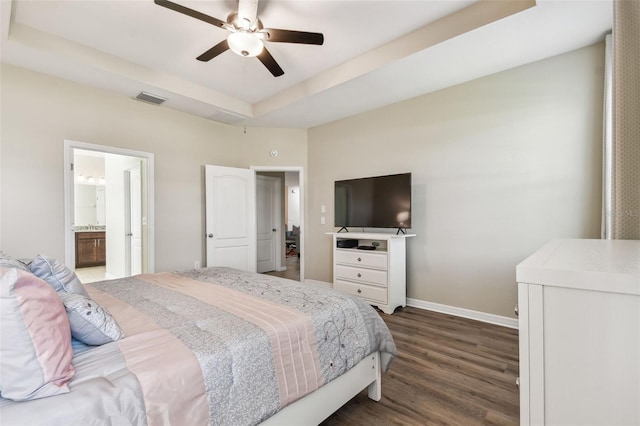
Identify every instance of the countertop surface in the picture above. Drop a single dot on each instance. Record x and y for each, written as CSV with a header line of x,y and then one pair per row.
x,y
92,228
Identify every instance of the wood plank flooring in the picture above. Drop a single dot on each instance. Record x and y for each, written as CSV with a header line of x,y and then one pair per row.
x,y
293,269
450,370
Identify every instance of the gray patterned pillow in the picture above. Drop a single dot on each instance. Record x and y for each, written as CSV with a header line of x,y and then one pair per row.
x,y
90,322
7,261
57,275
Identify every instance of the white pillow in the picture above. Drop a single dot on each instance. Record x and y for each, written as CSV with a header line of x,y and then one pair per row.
x,y
58,275
90,322
35,341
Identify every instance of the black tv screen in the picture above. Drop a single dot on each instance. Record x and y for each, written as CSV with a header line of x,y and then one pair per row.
x,y
373,202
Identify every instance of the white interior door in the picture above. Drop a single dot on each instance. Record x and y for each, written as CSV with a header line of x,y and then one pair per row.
x,y
230,204
267,209
135,221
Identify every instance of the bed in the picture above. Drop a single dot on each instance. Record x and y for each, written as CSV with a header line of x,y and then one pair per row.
x,y
217,346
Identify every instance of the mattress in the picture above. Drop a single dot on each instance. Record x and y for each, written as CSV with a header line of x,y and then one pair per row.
x,y
212,346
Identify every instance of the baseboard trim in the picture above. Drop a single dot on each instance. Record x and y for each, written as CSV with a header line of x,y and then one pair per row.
x,y
320,283
464,313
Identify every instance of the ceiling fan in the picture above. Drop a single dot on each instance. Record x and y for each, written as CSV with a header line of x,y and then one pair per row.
x,y
247,33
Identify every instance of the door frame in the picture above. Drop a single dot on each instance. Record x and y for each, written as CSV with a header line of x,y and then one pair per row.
x,y
69,198
303,209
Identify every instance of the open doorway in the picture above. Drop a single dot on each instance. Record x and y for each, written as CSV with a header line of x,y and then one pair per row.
x,y
108,211
288,224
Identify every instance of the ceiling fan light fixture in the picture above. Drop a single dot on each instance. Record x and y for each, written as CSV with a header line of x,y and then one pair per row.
x,y
248,35
245,44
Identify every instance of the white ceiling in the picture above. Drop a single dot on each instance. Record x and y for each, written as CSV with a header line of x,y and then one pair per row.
x,y
375,52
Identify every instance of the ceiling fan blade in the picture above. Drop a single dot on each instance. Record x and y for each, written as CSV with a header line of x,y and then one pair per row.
x,y
290,36
214,51
190,12
271,64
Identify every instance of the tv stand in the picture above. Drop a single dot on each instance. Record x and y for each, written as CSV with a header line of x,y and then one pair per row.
x,y
400,230
345,229
376,276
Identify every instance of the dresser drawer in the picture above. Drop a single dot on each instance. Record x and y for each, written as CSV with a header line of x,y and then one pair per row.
x,y
369,276
370,293
358,258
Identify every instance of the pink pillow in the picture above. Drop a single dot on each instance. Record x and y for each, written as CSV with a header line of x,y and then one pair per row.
x,y
35,340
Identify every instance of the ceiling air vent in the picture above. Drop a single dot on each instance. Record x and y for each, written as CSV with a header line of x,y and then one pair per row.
x,y
151,98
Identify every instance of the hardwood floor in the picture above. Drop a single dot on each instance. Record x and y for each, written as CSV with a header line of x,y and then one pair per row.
x,y
293,269
450,370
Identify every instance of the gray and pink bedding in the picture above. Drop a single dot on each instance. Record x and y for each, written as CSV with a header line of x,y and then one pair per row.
x,y
209,346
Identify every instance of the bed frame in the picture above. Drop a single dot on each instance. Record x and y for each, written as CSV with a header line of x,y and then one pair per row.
x,y
320,404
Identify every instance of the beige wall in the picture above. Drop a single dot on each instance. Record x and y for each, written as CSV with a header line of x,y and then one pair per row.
x,y
500,165
39,112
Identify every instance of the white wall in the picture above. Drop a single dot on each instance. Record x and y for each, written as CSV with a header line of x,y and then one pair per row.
x,y
500,165
293,207
39,112
292,185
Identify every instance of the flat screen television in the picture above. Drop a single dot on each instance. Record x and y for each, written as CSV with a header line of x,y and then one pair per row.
x,y
373,202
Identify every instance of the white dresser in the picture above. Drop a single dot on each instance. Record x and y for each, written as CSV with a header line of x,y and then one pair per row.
x,y
579,322
377,276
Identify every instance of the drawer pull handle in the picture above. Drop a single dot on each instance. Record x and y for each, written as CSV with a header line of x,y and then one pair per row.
x,y
359,260
518,382
359,275
359,291
516,311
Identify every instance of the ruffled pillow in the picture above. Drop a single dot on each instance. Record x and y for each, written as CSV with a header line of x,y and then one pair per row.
x,y
35,339
90,322
61,278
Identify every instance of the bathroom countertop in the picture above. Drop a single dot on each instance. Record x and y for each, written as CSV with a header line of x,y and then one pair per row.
x,y
90,229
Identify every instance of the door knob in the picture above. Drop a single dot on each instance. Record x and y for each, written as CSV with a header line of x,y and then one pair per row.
x,y
210,235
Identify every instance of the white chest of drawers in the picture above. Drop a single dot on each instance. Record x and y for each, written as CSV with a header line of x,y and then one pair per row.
x,y
377,276
579,315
